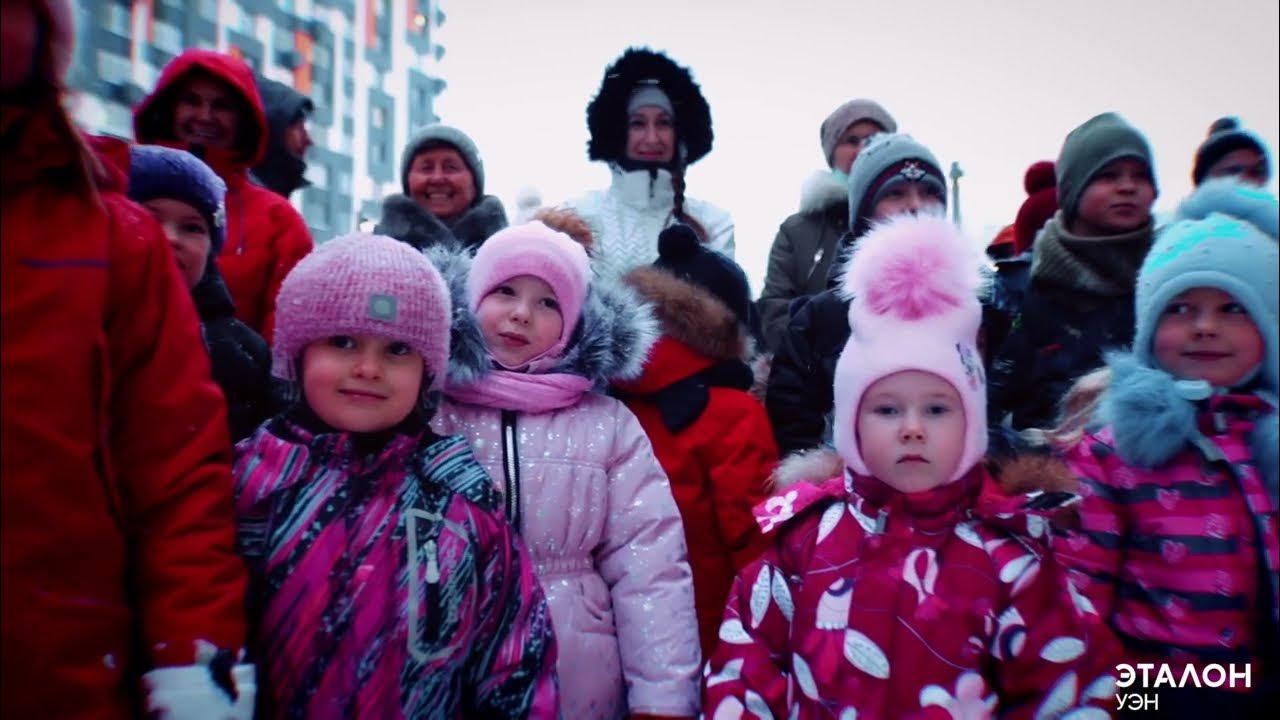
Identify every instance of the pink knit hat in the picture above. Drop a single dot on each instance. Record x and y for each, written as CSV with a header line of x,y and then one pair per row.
x,y
914,283
362,284
537,250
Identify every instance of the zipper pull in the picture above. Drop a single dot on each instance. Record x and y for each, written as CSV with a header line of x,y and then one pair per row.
x,y
433,563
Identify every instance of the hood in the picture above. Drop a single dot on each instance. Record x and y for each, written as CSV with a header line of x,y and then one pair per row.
x,y
280,170
821,191
406,221
692,315
153,117
611,343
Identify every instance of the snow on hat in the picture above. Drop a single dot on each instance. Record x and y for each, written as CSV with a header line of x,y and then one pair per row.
x,y
914,283
1040,205
362,284
887,157
847,114
1225,136
1215,244
1100,140
451,136
162,172
537,250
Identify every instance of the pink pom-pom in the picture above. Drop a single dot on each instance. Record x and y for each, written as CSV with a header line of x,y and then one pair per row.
x,y
911,268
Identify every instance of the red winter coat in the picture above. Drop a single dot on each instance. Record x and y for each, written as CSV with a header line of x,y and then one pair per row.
x,y
118,532
939,604
712,437
265,235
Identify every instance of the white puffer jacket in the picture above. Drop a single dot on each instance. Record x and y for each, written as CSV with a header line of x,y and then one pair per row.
x,y
627,218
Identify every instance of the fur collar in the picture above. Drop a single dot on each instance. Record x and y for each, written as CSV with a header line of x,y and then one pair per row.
x,y
405,220
691,314
1153,418
822,190
611,343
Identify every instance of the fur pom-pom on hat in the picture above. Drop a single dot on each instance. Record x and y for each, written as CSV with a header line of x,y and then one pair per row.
x,y
914,284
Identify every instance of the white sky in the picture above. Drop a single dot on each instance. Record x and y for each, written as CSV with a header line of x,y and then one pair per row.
x,y
994,85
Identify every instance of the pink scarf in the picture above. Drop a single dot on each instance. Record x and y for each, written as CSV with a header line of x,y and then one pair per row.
x,y
523,392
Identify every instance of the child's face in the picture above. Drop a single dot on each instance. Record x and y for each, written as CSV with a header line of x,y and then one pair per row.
x,y
908,198
1244,164
911,430
188,235
361,383
1204,334
520,320
1117,199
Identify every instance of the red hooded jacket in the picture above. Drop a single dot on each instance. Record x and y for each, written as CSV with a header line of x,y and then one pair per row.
x,y
118,532
713,439
265,235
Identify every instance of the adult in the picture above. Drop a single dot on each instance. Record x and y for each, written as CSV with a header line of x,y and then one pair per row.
x,y
116,533
284,164
1230,150
649,123
206,102
805,246
893,175
442,178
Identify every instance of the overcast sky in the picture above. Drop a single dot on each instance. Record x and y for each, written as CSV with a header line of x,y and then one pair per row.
x,y
994,85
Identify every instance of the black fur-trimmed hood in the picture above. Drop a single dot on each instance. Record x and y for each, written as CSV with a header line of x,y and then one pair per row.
x,y
610,344
607,112
406,221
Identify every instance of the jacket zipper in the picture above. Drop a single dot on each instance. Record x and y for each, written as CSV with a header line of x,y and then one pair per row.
x,y
511,468
431,622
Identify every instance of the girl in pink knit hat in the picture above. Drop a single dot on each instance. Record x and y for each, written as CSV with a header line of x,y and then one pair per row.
x,y
902,583
541,342
386,581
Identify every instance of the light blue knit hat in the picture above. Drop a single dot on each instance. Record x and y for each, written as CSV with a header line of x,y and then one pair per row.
x,y
1216,245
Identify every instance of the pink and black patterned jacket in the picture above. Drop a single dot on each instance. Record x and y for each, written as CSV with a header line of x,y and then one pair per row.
x,y
387,584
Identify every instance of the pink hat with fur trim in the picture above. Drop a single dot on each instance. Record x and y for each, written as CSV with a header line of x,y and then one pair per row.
x,y
537,250
914,283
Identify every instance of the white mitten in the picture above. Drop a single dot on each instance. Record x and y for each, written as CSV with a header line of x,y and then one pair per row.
x,y
190,692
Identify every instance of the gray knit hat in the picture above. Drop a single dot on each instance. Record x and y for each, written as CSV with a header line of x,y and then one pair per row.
x,y
886,152
847,114
451,136
1100,140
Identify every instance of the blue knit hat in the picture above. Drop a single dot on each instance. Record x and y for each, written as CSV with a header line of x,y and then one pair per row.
x,y
1215,245
161,172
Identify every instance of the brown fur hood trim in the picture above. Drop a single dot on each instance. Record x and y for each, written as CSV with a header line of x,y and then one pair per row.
x,y
812,466
691,314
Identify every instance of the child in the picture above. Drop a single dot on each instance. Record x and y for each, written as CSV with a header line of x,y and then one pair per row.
x,y
910,587
1178,545
1079,299
578,474
387,583
711,436
185,196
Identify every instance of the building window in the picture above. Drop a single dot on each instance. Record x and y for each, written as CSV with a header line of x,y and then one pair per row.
x,y
114,68
209,10
377,154
167,37
321,57
377,117
118,19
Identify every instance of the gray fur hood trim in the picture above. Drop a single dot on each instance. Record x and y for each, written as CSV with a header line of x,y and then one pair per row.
x,y
1153,420
406,221
821,190
611,342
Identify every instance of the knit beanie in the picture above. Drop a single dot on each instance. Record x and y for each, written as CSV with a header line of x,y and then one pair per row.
x,y
537,250
650,95
1225,136
914,283
162,172
887,160
847,114
1040,205
681,254
361,284
1217,247
451,136
1100,140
